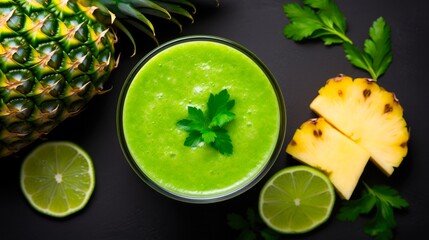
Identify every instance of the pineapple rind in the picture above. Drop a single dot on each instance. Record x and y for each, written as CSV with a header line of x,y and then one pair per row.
x,y
47,67
72,24
369,115
321,146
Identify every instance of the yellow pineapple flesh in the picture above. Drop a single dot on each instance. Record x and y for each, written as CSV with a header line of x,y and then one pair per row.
x,y
369,115
318,144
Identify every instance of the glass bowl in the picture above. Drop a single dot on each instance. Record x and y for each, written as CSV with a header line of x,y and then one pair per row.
x,y
182,73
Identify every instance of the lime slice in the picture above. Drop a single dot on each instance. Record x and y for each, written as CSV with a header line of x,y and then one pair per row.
x,y
57,178
296,200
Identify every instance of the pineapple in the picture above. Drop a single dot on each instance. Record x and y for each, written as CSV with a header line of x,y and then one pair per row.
x,y
55,55
359,120
369,115
318,144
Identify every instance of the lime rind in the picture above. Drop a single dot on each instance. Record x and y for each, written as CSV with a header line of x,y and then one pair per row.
x,y
39,179
278,200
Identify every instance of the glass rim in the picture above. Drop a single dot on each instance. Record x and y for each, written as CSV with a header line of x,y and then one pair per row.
x,y
230,194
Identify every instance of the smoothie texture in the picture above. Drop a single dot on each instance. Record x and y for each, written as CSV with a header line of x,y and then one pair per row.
x,y
185,74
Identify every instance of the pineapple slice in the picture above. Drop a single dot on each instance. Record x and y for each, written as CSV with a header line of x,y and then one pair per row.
x,y
321,146
369,115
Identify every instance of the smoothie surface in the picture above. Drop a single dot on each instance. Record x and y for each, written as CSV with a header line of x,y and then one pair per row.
x,y
184,75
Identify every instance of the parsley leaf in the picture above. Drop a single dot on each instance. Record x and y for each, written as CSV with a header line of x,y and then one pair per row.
x,y
377,54
381,199
209,127
322,19
222,142
251,226
316,19
218,109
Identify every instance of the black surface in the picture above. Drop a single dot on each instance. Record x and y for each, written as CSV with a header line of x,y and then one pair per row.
x,y
123,207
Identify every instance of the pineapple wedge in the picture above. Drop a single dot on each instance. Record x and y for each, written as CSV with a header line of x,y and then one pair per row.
x,y
321,146
369,115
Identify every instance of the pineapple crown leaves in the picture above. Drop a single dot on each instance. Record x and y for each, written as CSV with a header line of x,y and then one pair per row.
x,y
136,13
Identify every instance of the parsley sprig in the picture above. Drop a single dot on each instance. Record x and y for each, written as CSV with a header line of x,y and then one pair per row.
x,y
251,226
377,54
322,19
210,127
380,199
316,19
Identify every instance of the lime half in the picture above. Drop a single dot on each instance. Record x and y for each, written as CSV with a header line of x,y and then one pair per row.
x,y
296,200
57,178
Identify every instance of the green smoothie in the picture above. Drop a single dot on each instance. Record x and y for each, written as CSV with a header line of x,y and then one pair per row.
x,y
184,74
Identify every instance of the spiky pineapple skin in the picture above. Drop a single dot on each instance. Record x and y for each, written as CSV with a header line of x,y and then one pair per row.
x,y
54,58
369,115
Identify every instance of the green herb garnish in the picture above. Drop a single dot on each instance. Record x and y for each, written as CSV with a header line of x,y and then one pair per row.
x,y
381,198
209,127
251,226
322,19
377,54
316,19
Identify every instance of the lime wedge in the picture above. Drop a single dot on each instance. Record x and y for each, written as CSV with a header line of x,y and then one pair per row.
x,y
57,178
296,200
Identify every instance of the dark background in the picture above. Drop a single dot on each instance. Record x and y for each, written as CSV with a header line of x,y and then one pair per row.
x,y
123,207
